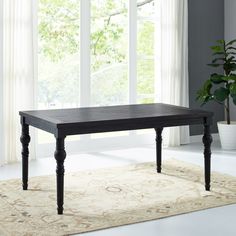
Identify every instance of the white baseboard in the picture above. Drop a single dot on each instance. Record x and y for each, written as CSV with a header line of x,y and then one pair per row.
x,y
105,144
198,138
96,145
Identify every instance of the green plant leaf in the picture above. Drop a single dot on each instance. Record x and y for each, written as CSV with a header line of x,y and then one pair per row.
x,y
230,48
230,53
221,94
218,59
207,99
217,49
233,89
234,99
221,41
231,42
203,98
228,67
220,53
233,66
229,78
204,94
217,79
231,59
207,86
214,65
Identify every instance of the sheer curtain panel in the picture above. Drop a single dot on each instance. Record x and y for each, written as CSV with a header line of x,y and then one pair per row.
x,y
1,82
18,71
172,62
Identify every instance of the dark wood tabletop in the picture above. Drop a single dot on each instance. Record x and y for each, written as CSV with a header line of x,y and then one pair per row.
x,y
112,118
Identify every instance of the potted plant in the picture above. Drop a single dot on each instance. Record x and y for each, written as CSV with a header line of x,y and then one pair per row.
x,y
221,87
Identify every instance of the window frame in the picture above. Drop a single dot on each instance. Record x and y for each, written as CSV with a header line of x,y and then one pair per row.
x,y
85,142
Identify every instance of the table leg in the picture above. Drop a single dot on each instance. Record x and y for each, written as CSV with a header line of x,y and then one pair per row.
x,y
207,140
25,140
60,156
158,148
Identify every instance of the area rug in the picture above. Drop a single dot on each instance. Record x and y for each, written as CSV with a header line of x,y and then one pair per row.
x,y
104,198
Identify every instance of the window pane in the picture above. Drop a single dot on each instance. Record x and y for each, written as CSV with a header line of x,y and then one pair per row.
x,y
145,62
146,8
146,81
58,56
109,40
58,53
145,41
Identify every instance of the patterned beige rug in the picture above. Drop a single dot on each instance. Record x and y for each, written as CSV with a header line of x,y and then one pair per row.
x,y
109,197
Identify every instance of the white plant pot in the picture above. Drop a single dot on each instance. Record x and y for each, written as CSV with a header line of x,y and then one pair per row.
x,y
227,134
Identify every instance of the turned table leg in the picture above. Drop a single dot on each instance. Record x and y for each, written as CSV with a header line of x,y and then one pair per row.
x,y
158,148
207,140
25,140
60,156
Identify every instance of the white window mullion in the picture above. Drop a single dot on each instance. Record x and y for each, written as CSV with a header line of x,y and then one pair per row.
x,y
34,134
157,51
132,51
132,54
84,53
85,88
35,9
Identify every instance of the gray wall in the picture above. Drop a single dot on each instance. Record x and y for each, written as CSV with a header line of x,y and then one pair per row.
x,y
230,33
206,25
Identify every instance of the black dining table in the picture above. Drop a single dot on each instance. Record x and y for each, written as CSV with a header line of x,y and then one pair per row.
x,y
64,122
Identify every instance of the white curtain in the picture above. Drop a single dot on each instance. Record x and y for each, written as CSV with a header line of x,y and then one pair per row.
x,y
18,72
172,61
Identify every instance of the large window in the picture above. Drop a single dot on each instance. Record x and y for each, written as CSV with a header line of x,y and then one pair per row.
x,y
109,52
94,53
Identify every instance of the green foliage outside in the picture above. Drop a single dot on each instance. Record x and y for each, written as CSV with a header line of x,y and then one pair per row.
x,y
59,44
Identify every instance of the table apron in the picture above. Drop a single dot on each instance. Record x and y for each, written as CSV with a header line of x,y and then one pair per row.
x,y
42,125
63,130
116,126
